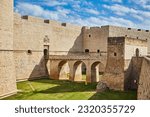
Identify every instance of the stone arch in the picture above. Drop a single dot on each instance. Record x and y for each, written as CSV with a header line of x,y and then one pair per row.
x,y
63,70
95,76
79,71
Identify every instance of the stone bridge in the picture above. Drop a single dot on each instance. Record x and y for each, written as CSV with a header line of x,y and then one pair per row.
x,y
72,66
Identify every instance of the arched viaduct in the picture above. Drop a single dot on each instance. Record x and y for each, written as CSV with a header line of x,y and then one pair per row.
x,y
71,67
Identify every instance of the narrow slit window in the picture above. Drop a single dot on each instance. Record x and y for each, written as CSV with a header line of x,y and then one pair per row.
x,y
87,50
115,54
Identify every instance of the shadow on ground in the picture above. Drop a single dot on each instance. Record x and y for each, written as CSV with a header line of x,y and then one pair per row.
x,y
66,86
46,89
114,95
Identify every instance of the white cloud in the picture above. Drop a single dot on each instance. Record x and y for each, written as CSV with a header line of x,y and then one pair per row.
x,y
146,7
100,21
119,1
137,17
140,1
141,17
55,3
92,11
63,11
143,3
72,16
36,10
120,9
126,11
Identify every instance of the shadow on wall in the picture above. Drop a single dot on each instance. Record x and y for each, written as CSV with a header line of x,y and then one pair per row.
x,y
133,73
40,70
77,46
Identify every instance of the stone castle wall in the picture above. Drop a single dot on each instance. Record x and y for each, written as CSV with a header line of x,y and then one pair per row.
x,y
7,69
144,84
114,73
120,71
35,34
131,45
23,40
95,38
132,74
115,31
31,33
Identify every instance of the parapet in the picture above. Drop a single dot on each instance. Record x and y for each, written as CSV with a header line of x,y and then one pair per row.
x,y
17,18
32,19
125,28
17,15
65,25
68,25
85,27
45,21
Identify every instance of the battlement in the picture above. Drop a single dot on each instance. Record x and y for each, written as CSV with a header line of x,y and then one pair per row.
x,y
68,25
33,19
125,28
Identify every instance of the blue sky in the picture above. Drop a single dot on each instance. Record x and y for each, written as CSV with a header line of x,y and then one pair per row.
x,y
128,13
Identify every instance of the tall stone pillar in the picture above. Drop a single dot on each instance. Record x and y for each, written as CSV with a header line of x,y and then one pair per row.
x,y
88,75
7,68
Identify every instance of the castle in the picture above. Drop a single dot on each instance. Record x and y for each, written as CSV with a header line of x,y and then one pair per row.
x,y
32,47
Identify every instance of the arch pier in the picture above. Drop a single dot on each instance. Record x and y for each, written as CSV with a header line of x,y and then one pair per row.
x,y
76,68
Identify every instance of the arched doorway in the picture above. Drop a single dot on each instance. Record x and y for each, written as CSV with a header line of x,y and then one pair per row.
x,y
45,52
63,70
95,72
137,52
79,69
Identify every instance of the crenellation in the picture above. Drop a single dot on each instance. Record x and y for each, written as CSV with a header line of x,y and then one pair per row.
x,y
55,23
64,24
33,19
46,21
24,17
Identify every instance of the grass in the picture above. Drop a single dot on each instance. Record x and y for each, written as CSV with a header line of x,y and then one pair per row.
x,y
47,89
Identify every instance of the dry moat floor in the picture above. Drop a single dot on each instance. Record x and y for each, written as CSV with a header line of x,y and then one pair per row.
x,y
47,89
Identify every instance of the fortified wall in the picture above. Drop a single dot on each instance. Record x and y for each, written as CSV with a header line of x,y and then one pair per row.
x,y
27,42
119,65
33,35
144,84
7,68
100,35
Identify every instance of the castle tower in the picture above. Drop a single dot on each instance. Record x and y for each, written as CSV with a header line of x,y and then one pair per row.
x,y
122,70
7,68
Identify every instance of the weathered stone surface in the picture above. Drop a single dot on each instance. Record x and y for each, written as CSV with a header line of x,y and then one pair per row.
x,y
118,54
144,81
24,39
101,87
7,68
